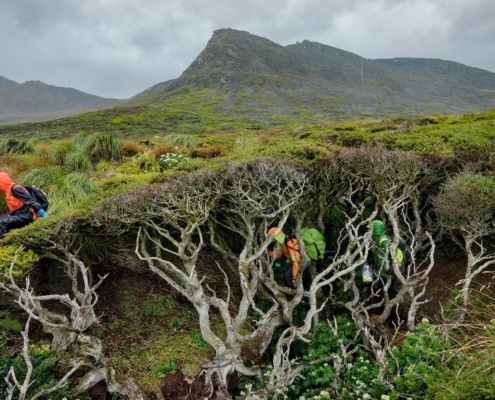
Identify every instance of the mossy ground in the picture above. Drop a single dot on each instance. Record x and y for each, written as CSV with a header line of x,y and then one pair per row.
x,y
146,327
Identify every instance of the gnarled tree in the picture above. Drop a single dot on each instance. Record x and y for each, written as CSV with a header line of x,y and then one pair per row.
x,y
466,207
74,347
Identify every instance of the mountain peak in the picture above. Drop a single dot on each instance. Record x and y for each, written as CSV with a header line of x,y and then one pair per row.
x,y
6,83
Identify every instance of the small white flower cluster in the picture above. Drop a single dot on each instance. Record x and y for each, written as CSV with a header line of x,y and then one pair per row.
x,y
171,160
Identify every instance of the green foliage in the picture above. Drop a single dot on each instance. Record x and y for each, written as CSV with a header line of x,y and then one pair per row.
x,y
421,360
467,203
101,147
43,360
346,127
57,152
79,139
15,146
197,339
178,324
11,325
140,164
24,260
358,377
160,371
78,162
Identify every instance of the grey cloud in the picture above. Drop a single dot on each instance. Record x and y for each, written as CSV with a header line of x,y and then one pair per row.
x,y
116,48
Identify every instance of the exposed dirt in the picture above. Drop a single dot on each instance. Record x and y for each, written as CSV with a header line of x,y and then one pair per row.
x,y
443,278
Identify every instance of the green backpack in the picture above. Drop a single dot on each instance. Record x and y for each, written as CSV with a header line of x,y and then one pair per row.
x,y
314,242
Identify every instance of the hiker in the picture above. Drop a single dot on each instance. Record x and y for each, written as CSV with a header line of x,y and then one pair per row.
x,y
23,207
288,247
383,259
383,243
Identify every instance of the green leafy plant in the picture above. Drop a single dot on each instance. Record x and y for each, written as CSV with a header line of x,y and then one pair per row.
x,y
43,360
58,152
160,371
178,324
11,325
15,146
78,162
358,377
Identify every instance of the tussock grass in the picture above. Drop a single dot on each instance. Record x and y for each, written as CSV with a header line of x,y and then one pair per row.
x,y
181,140
57,152
79,138
100,147
15,146
64,192
78,162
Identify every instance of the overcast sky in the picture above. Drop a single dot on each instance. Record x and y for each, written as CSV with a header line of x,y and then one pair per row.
x,y
118,48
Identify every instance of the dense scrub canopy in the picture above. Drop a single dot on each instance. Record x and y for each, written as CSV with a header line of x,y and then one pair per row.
x,y
467,204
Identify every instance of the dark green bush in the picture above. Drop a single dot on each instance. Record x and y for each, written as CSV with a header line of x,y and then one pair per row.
x,y
43,377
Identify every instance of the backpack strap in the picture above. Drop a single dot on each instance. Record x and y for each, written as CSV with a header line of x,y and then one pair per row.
x,y
15,185
287,239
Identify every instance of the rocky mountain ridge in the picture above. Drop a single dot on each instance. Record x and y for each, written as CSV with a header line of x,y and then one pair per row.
x,y
257,76
36,101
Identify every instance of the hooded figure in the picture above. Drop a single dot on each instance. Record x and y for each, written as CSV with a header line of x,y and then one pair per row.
x,y
290,250
383,243
23,208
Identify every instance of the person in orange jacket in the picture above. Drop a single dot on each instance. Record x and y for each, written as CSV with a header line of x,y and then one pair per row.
x,y
23,208
290,250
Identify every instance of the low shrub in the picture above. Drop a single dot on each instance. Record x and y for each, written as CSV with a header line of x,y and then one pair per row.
x,y
131,149
43,360
209,152
163,149
24,260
